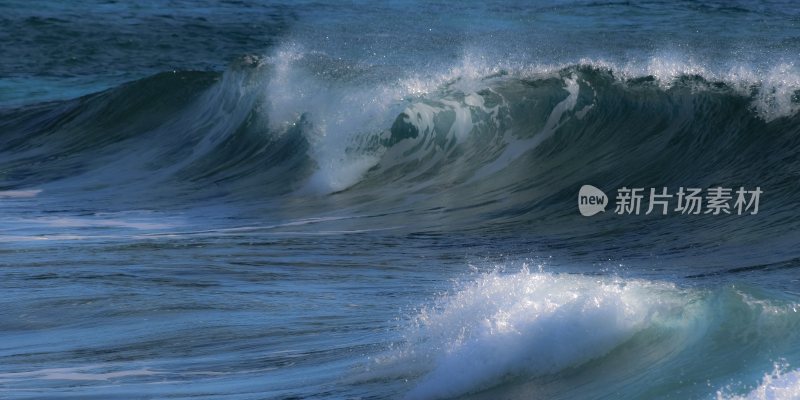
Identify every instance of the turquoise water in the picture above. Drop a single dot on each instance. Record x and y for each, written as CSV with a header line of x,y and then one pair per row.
x,y
292,200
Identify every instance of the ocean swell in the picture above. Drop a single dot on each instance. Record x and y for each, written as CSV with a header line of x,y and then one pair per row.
x,y
302,124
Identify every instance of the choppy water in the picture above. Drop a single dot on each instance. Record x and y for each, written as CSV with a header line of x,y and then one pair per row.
x,y
319,200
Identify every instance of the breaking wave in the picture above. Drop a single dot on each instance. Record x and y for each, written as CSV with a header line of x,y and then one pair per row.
x,y
512,140
574,336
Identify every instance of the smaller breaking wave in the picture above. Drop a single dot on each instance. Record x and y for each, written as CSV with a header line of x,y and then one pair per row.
x,y
531,324
509,335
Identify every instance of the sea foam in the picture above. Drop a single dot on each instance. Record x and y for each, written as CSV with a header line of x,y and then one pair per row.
x,y
776,385
527,324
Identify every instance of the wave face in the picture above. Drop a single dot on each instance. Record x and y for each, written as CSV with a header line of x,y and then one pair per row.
x,y
479,146
462,127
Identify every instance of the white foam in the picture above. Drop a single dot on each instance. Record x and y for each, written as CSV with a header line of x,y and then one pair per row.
x,y
91,373
339,116
336,115
17,194
776,385
94,222
530,324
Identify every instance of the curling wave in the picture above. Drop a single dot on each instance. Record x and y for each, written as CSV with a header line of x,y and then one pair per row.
x,y
298,123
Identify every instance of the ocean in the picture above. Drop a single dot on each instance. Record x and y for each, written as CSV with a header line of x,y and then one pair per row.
x,y
399,200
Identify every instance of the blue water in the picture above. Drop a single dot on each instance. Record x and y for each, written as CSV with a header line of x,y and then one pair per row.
x,y
284,200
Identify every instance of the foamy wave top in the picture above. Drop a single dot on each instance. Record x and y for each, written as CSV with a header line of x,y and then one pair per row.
x,y
776,385
529,324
